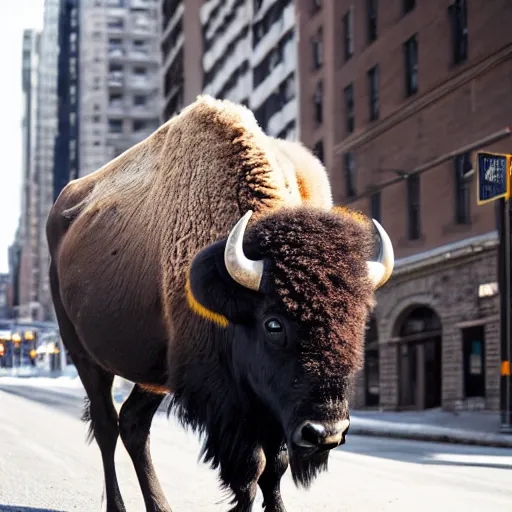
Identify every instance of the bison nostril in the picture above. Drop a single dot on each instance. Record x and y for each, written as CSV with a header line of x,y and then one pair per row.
x,y
313,433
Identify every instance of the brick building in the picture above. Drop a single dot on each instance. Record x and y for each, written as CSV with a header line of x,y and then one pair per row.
x,y
400,84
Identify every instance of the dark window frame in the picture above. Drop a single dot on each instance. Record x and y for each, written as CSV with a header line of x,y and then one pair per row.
x,y
318,103
373,93
376,205
318,150
458,14
474,375
348,95
348,35
349,171
413,207
411,65
317,49
372,9
408,6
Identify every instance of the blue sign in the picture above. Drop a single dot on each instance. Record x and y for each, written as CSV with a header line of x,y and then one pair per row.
x,y
493,176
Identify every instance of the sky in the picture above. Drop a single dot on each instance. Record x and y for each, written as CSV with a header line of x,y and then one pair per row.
x,y
15,16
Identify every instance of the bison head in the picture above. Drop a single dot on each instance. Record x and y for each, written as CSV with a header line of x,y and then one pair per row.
x,y
293,299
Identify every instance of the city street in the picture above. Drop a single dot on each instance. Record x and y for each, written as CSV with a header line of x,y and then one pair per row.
x,y
45,465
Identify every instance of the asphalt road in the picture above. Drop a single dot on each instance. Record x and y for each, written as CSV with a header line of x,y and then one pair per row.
x,y
45,465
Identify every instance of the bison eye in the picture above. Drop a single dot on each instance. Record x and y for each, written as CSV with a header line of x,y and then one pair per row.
x,y
273,326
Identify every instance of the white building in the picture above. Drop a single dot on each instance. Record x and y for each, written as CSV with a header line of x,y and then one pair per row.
x,y
250,57
120,77
241,50
45,150
28,232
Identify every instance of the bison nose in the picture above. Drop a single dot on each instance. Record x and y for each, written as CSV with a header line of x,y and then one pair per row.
x,y
322,435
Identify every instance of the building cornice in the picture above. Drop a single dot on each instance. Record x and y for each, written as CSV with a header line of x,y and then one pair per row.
x,y
446,253
423,101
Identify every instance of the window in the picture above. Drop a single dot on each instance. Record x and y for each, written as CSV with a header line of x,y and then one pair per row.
x,y
413,206
115,126
139,100
349,108
140,71
318,49
316,5
350,170
375,211
459,22
319,103
373,82
462,189
348,41
371,14
473,341
115,43
408,6
139,43
318,150
115,23
139,125
411,66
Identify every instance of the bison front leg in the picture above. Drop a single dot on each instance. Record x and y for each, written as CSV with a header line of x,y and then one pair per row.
x,y
243,478
270,480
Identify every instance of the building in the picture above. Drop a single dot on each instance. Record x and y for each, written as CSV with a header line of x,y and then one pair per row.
x,y
46,133
4,295
66,155
119,69
181,56
400,85
28,228
241,50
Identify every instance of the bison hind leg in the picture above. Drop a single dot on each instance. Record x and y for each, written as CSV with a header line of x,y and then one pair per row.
x,y
86,418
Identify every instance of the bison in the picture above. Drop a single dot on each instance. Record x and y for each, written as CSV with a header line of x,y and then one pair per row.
x,y
207,263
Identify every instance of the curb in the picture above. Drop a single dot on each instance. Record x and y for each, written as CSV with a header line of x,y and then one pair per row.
x,y
448,438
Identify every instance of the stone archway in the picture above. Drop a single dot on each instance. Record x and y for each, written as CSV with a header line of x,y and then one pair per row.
x,y
419,358
371,364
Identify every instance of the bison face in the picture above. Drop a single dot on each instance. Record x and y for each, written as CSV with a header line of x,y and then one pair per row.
x,y
291,303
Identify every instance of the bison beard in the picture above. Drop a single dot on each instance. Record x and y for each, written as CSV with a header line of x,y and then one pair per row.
x,y
306,467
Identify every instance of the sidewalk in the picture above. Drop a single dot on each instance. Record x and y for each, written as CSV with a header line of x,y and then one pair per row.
x,y
477,428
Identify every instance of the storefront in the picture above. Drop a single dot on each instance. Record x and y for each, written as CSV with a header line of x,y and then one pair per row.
x,y
434,339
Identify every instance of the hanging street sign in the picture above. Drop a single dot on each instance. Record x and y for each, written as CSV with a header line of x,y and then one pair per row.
x,y
493,171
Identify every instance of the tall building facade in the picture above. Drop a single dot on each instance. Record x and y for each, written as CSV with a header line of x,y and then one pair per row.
x,y
28,229
45,153
405,94
66,155
241,50
120,78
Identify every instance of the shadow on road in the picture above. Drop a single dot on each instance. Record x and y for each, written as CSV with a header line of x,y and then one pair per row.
x,y
69,403
431,454
15,508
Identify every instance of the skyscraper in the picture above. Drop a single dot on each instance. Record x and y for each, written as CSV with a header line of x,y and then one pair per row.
x,y
45,148
27,241
120,81
245,51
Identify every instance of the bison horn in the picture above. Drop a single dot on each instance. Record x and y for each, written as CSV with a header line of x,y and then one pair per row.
x,y
380,271
244,271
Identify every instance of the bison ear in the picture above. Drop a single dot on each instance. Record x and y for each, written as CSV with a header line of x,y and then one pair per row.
x,y
212,293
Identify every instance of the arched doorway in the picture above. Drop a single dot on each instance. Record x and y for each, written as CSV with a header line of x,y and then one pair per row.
x,y
420,359
371,364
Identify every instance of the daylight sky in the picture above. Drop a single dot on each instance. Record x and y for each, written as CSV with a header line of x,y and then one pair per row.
x,y
15,16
